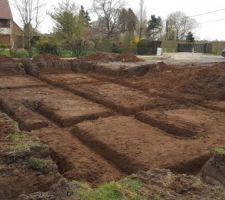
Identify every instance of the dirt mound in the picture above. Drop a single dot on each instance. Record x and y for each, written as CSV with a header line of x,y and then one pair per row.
x,y
206,81
47,57
112,57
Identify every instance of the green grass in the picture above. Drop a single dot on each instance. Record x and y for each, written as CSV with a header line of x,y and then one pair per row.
x,y
21,142
40,165
66,54
16,136
156,197
126,189
220,151
5,52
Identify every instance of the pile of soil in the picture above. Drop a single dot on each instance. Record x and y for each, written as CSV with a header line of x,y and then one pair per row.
x,y
111,57
206,81
47,57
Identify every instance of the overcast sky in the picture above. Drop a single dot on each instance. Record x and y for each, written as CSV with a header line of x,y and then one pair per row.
x,y
210,27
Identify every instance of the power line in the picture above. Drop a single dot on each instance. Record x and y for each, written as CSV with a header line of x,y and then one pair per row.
x,y
217,20
206,13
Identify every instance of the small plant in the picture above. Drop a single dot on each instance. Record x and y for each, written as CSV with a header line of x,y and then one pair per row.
x,y
16,136
220,151
133,185
156,197
40,165
126,189
217,192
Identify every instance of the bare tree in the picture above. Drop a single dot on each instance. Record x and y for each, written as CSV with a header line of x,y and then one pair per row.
x,y
178,25
142,17
30,14
108,14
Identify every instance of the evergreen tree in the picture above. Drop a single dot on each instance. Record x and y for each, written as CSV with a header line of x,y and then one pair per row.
x,y
70,29
84,16
154,28
190,37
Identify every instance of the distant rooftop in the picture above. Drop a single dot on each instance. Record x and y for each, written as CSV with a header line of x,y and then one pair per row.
x,y
5,11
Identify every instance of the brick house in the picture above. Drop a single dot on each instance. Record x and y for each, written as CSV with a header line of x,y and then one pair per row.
x,y
11,35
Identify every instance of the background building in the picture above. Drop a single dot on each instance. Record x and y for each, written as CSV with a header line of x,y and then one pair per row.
x,y
11,35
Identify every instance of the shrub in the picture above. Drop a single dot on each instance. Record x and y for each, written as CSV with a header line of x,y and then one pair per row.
x,y
2,46
116,48
48,45
40,165
66,53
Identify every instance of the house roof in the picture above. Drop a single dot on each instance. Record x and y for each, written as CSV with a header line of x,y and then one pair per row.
x,y
5,11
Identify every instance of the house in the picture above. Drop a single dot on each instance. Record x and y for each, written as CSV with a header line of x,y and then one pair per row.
x,y
11,35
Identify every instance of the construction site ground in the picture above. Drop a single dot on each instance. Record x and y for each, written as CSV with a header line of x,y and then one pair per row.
x,y
101,125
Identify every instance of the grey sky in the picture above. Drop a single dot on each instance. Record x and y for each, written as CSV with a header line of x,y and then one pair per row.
x,y
207,29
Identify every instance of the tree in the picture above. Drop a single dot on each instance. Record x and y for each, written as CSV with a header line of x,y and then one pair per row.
x,y
190,37
178,25
128,21
154,28
108,15
142,18
84,16
69,29
30,14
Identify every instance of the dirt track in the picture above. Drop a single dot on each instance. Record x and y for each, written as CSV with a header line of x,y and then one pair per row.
x,y
101,127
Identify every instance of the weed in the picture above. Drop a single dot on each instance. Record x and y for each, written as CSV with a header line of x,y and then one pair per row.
x,y
126,189
15,125
155,197
132,184
16,136
108,191
217,192
40,165
220,151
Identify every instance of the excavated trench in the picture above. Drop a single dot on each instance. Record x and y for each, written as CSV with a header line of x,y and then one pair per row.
x,y
93,134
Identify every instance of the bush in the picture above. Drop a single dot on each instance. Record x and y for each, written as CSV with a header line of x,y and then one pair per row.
x,y
116,48
2,47
40,165
66,53
48,46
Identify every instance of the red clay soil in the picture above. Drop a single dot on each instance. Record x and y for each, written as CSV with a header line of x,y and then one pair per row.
x,y
19,81
47,57
26,118
135,146
60,106
215,105
112,57
105,146
74,159
67,78
208,81
120,98
6,59
186,122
